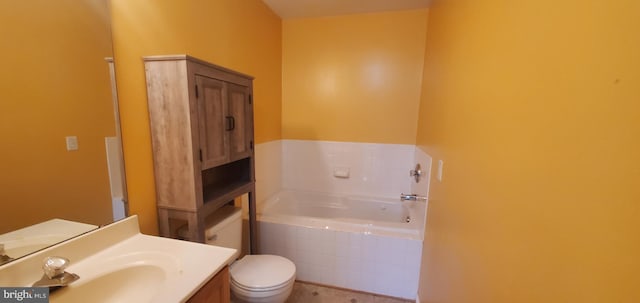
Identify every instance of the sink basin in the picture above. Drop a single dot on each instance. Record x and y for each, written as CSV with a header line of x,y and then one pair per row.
x,y
119,277
131,284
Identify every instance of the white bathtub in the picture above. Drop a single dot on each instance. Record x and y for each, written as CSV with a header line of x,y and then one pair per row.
x,y
380,216
359,243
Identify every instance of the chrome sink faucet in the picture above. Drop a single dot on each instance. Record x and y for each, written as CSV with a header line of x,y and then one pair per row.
x,y
412,197
54,275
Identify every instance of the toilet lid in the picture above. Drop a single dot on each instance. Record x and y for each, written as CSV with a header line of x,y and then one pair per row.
x,y
262,271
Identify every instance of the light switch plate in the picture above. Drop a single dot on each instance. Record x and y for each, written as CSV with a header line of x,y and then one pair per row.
x,y
72,143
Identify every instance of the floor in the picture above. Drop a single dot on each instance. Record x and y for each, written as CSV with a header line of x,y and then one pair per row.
x,y
311,293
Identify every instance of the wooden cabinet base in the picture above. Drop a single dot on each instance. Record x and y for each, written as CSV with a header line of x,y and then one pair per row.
x,y
215,291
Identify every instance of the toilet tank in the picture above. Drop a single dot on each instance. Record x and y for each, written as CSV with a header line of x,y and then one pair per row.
x,y
224,228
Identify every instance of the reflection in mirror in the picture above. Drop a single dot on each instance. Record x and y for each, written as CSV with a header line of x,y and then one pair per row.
x,y
55,87
21,242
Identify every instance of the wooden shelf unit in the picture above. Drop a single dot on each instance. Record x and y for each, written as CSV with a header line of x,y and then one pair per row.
x,y
201,118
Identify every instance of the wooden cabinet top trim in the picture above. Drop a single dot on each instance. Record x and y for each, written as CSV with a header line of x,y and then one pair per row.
x,y
193,59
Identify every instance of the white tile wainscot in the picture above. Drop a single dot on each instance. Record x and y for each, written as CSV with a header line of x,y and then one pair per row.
x,y
375,170
365,262
422,188
268,169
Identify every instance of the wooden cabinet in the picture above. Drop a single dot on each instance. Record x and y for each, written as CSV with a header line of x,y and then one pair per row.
x,y
201,118
226,119
217,290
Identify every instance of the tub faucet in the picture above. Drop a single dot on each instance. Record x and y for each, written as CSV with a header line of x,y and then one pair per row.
x,y
54,275
412,197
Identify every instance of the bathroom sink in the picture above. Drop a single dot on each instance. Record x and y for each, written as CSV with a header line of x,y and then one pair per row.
x,y
131,284
117,263
120,276
143,269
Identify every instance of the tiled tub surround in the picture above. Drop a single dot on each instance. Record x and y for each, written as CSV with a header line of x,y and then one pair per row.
x,y
375,170
422,188
378,170
268,169
331,243
348,253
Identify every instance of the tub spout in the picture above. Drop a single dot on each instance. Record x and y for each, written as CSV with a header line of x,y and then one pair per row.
x,y
412,197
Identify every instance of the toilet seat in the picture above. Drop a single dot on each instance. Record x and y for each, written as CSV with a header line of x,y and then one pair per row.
x,y
262,273
263,289
274,296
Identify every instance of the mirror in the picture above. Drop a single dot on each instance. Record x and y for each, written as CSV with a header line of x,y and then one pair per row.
x,y
56,92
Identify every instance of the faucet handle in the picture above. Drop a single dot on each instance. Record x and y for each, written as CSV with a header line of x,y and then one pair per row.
x,y
54,274
412,197
416,173
54,266
407,197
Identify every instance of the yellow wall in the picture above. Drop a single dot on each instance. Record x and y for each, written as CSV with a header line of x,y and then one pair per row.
x,y
353,78
535,108
54,82
241,35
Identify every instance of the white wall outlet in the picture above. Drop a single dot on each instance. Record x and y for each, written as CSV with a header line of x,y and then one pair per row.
x,y
72,143
440,165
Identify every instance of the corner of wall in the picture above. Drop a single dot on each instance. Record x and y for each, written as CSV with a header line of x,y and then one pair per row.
x,y
268,171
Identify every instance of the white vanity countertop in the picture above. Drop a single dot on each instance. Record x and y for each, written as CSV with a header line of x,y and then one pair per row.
x,y
121,262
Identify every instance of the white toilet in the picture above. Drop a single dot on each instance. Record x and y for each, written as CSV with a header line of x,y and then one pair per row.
x,y
254,278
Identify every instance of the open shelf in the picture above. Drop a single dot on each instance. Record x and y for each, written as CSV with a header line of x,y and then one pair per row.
x,y
217,181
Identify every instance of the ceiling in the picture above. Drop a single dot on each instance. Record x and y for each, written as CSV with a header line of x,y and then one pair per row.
x,y
288,9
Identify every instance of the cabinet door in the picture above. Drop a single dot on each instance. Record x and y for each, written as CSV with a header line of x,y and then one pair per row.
x,y
213,122
217,290
241,113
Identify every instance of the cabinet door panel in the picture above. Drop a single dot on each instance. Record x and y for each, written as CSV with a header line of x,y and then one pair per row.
x,y
212,107
217,290
239,108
